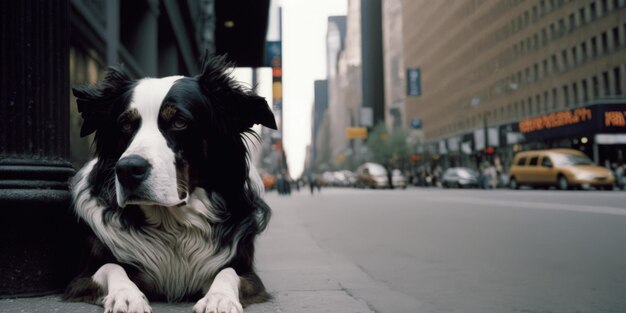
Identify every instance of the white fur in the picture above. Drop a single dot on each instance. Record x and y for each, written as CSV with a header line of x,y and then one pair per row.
x,y
174,250
150,144
256,183
122,295
223,296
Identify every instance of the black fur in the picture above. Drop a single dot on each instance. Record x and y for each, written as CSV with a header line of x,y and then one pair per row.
x,y
219,113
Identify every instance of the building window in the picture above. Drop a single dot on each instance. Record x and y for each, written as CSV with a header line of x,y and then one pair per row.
x,y
561,27
526,18
572,22
536,71
516,110
566,96
575,92
523,109
594,47
565,62
527,74
616,41
596,87
583,51
574,55
618,81
530,105
583,86
606,84
552,31
538,104
534,13
604,6
605,42
544,37
555,98
536,41
544,64
592,10
581,16
545,101
555,64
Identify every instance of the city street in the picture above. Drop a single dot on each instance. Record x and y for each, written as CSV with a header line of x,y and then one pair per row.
x,y
472,250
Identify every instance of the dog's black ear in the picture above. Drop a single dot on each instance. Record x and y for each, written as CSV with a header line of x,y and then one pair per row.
x,y
245,107
254,110
96,102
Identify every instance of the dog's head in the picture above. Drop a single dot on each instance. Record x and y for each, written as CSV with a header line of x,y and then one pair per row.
x,y
159,138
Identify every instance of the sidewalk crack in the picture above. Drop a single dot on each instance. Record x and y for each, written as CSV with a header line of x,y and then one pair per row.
x,y
369,305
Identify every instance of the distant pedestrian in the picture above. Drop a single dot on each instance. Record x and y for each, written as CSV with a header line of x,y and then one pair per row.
x,y
619,176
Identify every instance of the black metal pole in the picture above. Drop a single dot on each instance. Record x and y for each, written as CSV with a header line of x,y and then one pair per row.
x,y
37,238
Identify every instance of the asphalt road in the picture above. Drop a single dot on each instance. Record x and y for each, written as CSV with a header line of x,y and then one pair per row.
x,y
478,251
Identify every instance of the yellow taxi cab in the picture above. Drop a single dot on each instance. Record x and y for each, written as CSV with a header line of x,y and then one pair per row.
x,y
562,168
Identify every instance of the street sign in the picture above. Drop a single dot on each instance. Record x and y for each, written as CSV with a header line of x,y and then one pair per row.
x,y
356,132
367,117
416,123
273,54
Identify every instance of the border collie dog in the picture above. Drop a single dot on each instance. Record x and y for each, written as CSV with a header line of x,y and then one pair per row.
x,y
171,204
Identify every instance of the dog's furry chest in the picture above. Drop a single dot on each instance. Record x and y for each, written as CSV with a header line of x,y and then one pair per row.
x,y
174,250
174,261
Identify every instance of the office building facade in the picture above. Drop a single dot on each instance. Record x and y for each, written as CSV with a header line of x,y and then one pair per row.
x,y
489,69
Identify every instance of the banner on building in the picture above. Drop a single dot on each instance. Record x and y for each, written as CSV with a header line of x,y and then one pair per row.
x,y
413,82
479,139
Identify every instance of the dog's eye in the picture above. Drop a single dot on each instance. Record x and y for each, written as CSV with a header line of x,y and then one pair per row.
x,y
126,126
179,123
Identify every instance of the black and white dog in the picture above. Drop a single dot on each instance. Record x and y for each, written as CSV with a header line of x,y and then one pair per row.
x,y
171,204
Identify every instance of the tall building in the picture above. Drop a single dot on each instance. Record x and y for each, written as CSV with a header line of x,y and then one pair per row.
x,y
320,105
343,60
501,76
393,59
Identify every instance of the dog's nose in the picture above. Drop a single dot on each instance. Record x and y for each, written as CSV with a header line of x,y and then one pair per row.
x,y
132,170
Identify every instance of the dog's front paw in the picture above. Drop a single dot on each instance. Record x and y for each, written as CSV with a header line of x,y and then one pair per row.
x,y
126,300
217,303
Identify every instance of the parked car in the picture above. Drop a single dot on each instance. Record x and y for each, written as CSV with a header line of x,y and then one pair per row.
x,y
344,178
562,168
371,175
459,177
398,179
328,179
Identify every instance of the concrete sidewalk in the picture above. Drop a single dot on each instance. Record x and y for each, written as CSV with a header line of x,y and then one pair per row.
x,y
300,275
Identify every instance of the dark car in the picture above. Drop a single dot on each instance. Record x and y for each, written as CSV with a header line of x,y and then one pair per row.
x,y
459,177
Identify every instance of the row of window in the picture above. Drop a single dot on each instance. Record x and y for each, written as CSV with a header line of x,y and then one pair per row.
x,y
568,58
534,161
585,14
602,43
606,84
